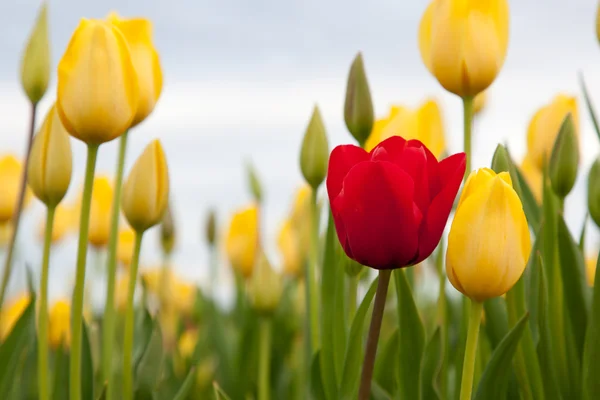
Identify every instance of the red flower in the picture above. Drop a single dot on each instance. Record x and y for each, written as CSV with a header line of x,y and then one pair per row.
x,y
390,206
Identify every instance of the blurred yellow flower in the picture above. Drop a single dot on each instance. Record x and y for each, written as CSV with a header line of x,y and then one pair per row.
x,y
102,196
121,291
545,124
294,235
489,241
63,223
11,170
180,294
97,59
6,230
125,245
266,286
480,102
534,177
59,324
242,240
187,343
289,247
138,33
590,269
423,123
183,295
464,43
11,312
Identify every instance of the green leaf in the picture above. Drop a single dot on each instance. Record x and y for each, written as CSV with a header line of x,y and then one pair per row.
x,y
354,352
496,320
385,369
187,385
412,339
219,393
102,395
591,355
316,383
379,393
430,367
533,297
589,104
149,368
582,235
142,332
87,365
532,210
494,381
14,349
60,386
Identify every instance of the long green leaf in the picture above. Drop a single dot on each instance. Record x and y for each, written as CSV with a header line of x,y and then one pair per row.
x,y
143,331
412,339
187,385
589,104
591,355
385,369
494,381
150,366
532,210
354,352
316,383
60,386
496,320
219,393
87,365
430,367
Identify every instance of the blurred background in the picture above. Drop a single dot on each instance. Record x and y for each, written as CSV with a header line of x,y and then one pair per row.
x,y
241,79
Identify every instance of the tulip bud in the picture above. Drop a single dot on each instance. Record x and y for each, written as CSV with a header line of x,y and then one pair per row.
x,y
564,159
59,324
35,65
167,231
266,286
358,108
315,151
211,228
594,191
50,165
489,241
254,182
501,160
146,191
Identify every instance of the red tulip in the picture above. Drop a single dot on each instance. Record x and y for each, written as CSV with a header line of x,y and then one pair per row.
x,y
390,206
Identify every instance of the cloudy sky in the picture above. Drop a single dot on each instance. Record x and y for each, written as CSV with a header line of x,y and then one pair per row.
x,y
242,77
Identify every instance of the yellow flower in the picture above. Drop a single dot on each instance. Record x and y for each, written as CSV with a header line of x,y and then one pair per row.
x,y
480,102
489,241
11,313
125,245
121,292
11,171
50,165
463,43
590,269
6,230
289,247
183,295
138,33
294,236
102,197
534,177
545,124
180,294
146,191
242,240
423,123
187,343
63,223
97,96
59,324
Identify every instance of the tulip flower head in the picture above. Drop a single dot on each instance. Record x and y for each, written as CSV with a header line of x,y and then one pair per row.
x,y
241,243
11,312
102,195
489,241
59,326
11,170
289,247
97,96
390,205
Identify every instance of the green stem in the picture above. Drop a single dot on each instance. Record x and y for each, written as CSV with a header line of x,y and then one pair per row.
x,y
43,390
468,120
264,359
373,338
108,326
213,268
442,317
128,334
352,296
78,292
466,386
18,211
312,294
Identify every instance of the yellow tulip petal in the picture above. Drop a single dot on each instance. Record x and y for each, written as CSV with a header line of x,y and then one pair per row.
x,y
242,240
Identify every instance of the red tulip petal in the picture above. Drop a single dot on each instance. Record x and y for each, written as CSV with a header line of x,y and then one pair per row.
x,y
452,171
393,146
341,160
377,212
432,169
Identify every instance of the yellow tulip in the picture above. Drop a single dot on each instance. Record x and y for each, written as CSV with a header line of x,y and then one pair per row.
x,y
102,196
6,230
289,247
480,102
11,171
534,177
545,124
590,269
489,241
153,278
97,96
146,191
50,165
187,343
463,43
183,296
125,245
121,291
138,33
423,123
11,312
59,324
180,294
63,224
242,240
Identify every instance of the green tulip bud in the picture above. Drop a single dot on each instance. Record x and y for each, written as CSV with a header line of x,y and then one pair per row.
x,y
266,287
501,160
594,191
564,160
254,182
315,151
358,108
35,64
211,228
167,231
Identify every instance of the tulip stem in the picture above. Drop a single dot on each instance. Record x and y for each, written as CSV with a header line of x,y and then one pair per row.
x,y
442,317
264,360
466,386
371,349
44,393
108,327
78,291
16,219
128,334
311,282
468,119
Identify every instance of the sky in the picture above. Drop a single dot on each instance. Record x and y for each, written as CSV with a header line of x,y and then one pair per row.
x,y
241,79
